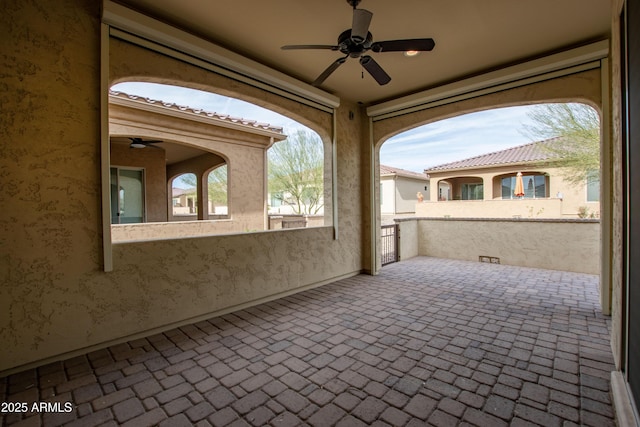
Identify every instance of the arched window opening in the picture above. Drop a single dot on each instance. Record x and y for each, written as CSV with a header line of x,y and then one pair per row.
x,y
217,190
184,197
230,165
444,191
296,175
555,148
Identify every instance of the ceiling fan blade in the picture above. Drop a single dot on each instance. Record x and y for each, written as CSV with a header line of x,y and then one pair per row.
x,y
360,25
309,46
375,70
330,69
403,45
145,141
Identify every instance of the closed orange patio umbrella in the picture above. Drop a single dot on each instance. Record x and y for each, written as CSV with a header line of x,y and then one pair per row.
x,y
519,190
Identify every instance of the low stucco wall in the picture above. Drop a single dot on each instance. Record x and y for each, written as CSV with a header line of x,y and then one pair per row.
x,y
408,239
516,208
566,245
174,230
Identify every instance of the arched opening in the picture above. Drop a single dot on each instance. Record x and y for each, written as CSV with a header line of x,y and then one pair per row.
x,y
184,197
534,162
217,189
444,191
212,157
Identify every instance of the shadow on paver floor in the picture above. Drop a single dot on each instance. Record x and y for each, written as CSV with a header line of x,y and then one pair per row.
x,y
427,342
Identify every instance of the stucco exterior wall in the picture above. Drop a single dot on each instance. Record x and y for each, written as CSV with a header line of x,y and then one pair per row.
x,y
406,194
617,192
408,238
244,153
556,245
573,196
55,297
516,208
387,195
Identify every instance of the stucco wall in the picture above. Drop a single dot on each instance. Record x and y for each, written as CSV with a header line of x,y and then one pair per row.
x,y
556,245
617,190
387,195
54,295
244,153
409,238
406,194
573,196
514,208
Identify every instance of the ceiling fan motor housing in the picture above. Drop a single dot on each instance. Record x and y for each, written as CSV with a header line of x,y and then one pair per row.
x,y
356,41
352,48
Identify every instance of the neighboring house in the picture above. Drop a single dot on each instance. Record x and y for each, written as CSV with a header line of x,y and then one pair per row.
x,y
183,201
484,186
399,189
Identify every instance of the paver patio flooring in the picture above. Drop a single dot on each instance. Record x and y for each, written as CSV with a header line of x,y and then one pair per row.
x,y
427,342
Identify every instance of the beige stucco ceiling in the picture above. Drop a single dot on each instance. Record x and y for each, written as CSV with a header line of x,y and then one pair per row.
x,y
471,36
173,152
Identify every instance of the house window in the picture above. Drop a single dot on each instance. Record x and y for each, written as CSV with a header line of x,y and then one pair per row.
x,y
472,192
127,195
535,186
593,187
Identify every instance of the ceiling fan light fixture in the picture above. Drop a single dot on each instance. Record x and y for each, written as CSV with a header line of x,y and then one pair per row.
x,y
411,53
137,145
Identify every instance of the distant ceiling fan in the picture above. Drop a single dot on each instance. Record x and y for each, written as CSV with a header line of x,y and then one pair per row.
x,y
358,40
140,143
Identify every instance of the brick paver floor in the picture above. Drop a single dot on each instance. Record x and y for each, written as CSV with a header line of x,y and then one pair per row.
x,y
427,342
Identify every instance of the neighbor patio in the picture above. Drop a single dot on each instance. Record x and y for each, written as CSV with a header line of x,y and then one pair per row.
x,y
427,341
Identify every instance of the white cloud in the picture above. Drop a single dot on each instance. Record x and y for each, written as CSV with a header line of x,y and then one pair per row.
x,y
456,138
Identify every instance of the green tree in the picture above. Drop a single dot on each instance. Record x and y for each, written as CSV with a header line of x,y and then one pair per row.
x,y
217,181
578,127
296,172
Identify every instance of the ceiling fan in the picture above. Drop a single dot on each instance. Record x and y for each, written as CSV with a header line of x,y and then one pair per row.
x,y
355,42
140,143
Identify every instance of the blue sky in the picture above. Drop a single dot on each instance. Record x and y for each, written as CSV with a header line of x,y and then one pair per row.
x,y
440,142
457,138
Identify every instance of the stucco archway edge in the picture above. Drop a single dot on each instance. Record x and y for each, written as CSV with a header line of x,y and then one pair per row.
x,y
156,68
580,87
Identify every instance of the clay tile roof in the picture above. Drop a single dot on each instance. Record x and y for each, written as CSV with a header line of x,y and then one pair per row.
x,y
388,170
197,111
527,153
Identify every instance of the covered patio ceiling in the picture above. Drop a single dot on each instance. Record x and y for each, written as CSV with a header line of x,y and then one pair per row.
x,y
471,37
